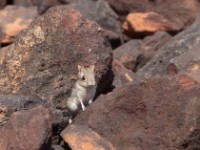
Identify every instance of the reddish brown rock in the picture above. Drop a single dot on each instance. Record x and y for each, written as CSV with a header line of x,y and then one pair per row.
x,y
150,46
27,129
14,19
44,58
122,75
179,55
158,113
83,138
179,11
2,3
9,103
137,24
127,54
100,12
25,3
136,53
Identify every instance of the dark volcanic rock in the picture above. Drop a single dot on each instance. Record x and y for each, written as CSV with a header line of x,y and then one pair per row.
x,y
179,11
9,103
24,3
100,12
59,121
180,54
44,58
44,5
158,113
121,74
83,138
57,147
136,53
27,129
128,53
2,3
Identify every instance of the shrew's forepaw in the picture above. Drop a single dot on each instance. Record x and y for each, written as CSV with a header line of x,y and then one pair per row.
x,y
90,101
70,121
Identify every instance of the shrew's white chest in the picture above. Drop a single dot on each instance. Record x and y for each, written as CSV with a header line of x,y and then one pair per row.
x,y
81,91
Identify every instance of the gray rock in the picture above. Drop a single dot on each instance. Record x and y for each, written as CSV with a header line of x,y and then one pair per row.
x,y
10,103
180,55
44,58
100,12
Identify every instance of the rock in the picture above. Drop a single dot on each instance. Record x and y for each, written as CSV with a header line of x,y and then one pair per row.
x,y
27,129
140,24
182,12
44,58
100,12
2,3
14,19
158,113
122,75
128,53
44,5
83,138
58,121
150,46
136,53
57,147
9,103
25,3
179,55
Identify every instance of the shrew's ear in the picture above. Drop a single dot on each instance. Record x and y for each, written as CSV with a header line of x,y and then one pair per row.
x,y
92,67
79,68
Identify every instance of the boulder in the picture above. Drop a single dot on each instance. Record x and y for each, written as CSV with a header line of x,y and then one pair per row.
x,y
14,19
57,147
150,46
83,138
2,3
128,53
58,122
100,12
121,74
27,129
179,55
181,12
43,59
141,24
157,113
136,53
10,103
24,3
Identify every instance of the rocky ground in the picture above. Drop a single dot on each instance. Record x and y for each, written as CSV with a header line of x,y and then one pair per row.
x,y
147,63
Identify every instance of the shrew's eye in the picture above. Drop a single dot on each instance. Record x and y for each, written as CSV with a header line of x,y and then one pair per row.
x,y
83,78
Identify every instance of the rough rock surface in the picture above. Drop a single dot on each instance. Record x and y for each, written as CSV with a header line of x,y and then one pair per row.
x,y
121,74
182,52
57,147
44,58
158,113
27,129
9,103
14,19
136,53
179,11
138,24
100,12
24,3
128,53
2,3
83,138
